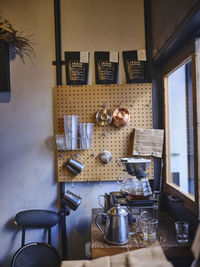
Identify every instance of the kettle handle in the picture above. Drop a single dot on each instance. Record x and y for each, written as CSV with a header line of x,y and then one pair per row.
x,y
137,228
96,221
143,214
99,199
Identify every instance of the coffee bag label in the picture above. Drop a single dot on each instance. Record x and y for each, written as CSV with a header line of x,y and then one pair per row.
x,y
106,72
76,66
76,71
135,69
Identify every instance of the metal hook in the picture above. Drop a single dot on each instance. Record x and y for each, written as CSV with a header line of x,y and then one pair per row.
x,y
120,104
105,134
133,104
118,179
100,182
88,182
104,105
72,184
149,104
91,155
117,161
61,155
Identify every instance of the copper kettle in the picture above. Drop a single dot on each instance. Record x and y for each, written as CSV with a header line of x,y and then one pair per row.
x,y
121,117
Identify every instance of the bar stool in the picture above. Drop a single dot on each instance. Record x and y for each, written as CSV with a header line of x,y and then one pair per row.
x,y
36,254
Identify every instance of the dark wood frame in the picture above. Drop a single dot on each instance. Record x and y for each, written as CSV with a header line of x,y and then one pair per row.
x,y
185,32
187,52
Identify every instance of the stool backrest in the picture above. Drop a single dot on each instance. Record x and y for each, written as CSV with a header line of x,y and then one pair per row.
x,y
36,219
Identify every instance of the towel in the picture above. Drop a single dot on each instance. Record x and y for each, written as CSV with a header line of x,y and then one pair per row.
x,y
148,142
100,262
152,256
73,263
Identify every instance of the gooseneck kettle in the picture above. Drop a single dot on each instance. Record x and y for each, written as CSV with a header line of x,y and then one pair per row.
x,y
117,226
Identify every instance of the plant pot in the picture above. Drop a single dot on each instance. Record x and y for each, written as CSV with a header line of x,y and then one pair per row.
x,y
4,72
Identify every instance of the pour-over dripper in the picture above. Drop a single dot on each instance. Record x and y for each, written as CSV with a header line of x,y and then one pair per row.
x,y
136,166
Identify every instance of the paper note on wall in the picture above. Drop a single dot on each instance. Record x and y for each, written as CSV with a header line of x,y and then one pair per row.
x,y
113,57
141,55
84,58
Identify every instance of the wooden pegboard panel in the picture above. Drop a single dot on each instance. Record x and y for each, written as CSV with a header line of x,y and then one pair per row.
x,y
85,101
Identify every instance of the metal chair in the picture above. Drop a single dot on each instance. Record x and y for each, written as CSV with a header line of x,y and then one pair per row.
x,y
36,254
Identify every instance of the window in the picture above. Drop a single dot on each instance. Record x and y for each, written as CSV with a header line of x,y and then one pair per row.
x,y
181,149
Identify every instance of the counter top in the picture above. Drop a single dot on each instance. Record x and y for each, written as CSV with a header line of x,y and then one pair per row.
x,y
166,238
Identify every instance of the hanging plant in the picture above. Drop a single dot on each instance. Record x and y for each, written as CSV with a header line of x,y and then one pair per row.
x,y
20,44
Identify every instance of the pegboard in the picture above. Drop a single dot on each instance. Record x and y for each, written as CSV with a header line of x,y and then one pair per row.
x,y
85,101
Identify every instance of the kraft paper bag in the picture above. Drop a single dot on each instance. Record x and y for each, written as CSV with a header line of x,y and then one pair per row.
x,y
100,262
151,257
73,263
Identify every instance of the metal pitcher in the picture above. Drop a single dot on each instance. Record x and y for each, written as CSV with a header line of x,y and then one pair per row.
x,y
71,200
117,226
74,166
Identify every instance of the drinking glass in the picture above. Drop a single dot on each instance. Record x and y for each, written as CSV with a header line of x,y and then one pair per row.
x,y
83,135
85,131
60,141
182,231
71,130
149,228
90,127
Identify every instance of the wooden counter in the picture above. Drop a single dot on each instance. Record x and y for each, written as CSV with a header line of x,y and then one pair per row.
x,y
166,238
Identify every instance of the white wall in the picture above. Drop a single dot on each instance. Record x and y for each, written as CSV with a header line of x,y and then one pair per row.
x,y
27,178
106,25
26,127
93,25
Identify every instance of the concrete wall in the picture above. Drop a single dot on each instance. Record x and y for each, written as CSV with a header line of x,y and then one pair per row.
x,y
27,178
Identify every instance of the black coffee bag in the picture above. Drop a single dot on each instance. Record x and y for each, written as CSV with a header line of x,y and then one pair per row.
x,y
106,72
76,71
135,70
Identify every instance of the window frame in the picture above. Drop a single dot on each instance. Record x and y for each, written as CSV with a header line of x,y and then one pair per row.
x,y
174,63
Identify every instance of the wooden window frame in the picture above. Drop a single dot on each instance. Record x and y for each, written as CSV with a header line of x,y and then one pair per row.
x,y
174,63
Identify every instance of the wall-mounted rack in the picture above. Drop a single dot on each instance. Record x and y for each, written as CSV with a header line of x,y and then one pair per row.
x,y
85,101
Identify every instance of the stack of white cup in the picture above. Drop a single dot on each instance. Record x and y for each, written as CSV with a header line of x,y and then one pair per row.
x,y
71,127
85,131
71,130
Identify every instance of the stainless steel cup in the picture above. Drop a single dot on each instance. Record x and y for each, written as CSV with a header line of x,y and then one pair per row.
x,y
71,200
75,166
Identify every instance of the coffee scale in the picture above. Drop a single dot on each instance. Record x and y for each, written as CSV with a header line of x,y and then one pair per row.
x,y
135,194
